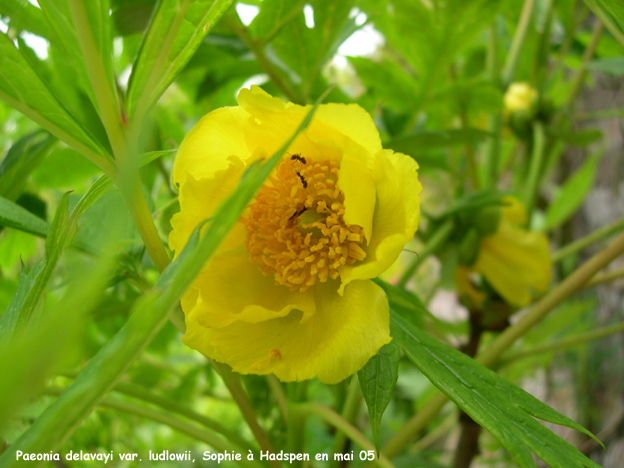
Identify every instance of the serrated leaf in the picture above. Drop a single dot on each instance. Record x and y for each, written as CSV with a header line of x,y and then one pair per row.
x,y
176,30
573,192
22,88
378,379
505,410
14,216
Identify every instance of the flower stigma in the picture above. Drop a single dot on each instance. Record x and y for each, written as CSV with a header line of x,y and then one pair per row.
x,y
296,229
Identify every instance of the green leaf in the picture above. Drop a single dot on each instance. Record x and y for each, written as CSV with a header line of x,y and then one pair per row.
x,y
25,16
59,17
573,192
502,408
11,315
57,239
21,159
14,216
176,30
22,88
421,142
378,379
150,313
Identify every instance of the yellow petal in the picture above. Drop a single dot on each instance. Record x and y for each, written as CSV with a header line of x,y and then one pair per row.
x,y
199,198
513,260
396,215
336,342
207,147
231,288
350,120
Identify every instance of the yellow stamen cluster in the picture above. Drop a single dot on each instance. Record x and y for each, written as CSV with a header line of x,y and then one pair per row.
x,y
295,226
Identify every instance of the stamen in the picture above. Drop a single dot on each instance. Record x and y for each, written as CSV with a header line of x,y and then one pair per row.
x,y
296,229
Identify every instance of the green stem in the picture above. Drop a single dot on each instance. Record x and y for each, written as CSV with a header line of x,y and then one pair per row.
x,y
105,94
168,420
280,396
565,343
142,217
579,78
504,341
296,429
588,240
349,413
232,382
605,277
258,50
436,241
535,168
509,69
495,124
340,424
173,407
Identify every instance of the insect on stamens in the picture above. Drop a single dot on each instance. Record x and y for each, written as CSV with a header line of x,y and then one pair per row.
x,y
302,160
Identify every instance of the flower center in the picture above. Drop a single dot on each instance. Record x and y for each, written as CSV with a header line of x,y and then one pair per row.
x,y
296,229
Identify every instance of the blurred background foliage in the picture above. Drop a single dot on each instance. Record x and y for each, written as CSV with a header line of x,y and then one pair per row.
x,y
434,76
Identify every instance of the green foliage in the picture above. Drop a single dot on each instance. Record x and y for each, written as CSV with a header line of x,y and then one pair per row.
x,y
95,111
502,408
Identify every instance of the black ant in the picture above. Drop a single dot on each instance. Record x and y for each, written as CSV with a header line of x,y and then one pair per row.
x,y
297,213
302,160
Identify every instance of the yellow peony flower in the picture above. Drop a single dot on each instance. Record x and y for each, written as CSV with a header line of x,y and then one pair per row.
x,y
289,292
520,97
512,260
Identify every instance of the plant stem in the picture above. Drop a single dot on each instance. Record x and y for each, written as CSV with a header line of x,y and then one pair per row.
x,y
142,217
565,343
280,396
258,50
589,239
579,78
296,428
339,423
173,407
232,381
436,241
504,341
535,170
509,69
349,413
495,124
605,277
168,420
105,93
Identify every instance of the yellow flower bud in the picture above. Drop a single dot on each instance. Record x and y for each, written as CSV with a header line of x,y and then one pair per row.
x,y
520,97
